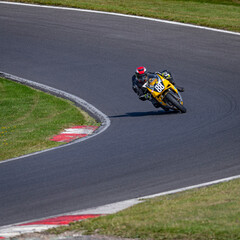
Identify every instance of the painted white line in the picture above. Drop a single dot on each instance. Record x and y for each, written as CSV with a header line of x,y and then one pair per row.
x,y
114,207
109,208
119,206
191,187
105,121
123,15
77,131
15,229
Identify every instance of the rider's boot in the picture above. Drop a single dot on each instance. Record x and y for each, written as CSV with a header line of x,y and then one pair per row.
x,y
180,89
144,97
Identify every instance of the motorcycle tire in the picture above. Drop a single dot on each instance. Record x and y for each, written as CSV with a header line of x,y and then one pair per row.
x,y
169,97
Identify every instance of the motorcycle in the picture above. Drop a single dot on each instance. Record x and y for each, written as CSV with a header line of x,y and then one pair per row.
x,y
165,93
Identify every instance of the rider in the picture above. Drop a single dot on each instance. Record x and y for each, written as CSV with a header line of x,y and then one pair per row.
x,y
140,77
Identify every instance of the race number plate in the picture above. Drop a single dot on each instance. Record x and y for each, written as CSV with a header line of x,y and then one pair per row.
x,y
159,87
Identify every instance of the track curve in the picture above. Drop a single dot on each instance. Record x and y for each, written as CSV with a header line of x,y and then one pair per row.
x,y
144,151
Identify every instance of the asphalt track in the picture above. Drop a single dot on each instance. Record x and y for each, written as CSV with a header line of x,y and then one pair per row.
x,y
144,151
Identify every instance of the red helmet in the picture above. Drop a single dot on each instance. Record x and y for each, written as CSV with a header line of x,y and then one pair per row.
x,y
141,73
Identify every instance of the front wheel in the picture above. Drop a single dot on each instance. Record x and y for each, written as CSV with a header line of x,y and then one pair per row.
x,y
173,101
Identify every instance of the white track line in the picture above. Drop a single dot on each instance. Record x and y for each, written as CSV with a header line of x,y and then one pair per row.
x,y
192,187
105,121
115,207
15,230
122,15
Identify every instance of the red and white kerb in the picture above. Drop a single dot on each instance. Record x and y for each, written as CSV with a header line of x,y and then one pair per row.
x,y
74,133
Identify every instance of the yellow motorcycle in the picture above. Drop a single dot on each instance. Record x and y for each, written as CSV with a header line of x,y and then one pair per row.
x,y
166,94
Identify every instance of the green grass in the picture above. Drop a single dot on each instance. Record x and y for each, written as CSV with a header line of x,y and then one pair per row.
x,y
29,118
221,14
200,214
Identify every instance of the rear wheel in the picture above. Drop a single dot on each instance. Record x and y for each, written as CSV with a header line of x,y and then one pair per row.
x,y
173,101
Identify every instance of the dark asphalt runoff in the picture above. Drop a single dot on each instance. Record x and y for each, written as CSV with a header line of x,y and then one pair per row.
x,y
145,150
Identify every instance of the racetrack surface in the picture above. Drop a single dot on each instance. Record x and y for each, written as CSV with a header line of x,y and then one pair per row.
x,y
145,150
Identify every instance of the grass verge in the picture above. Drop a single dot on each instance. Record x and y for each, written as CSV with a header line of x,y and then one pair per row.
x,y
200,214
29,118
207,213
221,14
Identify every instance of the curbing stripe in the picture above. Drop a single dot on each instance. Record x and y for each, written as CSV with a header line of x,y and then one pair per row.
x,y
62,220
29,227
42,225
74,133
97,114
115,207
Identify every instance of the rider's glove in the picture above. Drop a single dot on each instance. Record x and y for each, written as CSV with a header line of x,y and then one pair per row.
x,y
146,96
